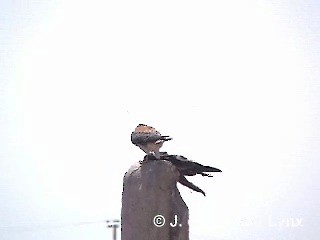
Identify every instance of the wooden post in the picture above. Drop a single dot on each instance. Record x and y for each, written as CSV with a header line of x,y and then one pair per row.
x,y
152,208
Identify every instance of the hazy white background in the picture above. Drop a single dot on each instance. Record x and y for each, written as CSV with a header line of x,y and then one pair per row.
x,y
235,83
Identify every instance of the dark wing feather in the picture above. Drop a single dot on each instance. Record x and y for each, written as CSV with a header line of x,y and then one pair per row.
x,y
185,182
188,167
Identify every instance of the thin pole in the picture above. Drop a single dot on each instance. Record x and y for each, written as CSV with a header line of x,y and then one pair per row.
x,y
114,226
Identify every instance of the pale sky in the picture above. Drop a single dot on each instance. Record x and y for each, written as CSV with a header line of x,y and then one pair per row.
x,y
235,83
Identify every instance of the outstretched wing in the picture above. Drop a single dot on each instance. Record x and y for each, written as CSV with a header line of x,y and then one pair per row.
x,y
188,167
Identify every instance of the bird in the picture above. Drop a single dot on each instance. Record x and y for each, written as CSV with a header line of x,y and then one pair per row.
x,y
186,167
148,139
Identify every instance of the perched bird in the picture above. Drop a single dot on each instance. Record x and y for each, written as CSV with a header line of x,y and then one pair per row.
x,y
186,167
148,139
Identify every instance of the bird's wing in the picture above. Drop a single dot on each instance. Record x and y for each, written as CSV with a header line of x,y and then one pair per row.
x,y
185,182
188,167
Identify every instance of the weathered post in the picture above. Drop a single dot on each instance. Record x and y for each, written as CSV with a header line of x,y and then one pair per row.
x,y
152,208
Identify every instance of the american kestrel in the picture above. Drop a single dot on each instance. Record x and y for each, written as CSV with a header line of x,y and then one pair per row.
x,y
148,139
187,167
